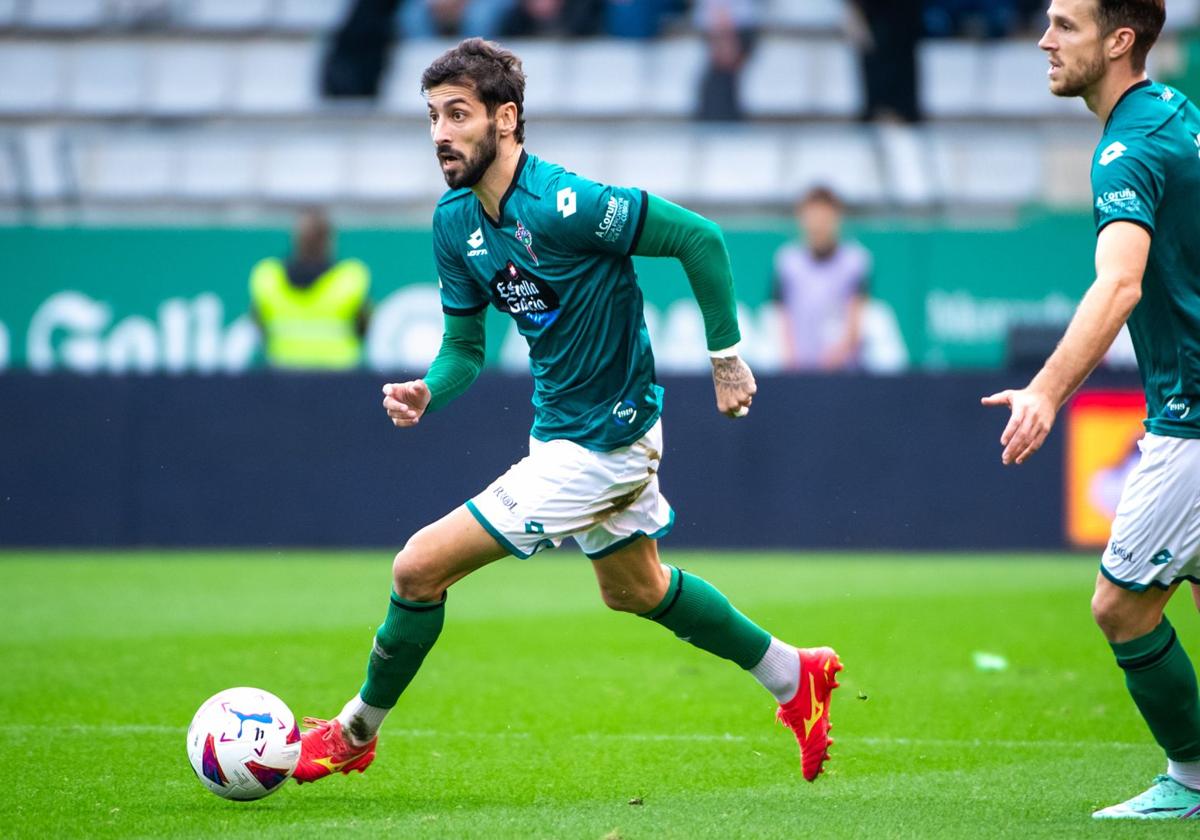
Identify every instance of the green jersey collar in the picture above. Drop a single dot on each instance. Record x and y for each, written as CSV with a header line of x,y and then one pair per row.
x,y
499,220
1134,87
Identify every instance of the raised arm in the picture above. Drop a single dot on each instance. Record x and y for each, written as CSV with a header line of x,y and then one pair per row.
x,y
672,231
452,371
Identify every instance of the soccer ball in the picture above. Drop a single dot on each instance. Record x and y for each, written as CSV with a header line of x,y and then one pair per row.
x,y
243,743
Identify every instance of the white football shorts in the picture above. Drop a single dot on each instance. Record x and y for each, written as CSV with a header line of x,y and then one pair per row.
x,y
604,500
1156,533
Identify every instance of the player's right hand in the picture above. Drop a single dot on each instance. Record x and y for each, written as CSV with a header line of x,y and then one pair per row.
x,y
405,402
735,386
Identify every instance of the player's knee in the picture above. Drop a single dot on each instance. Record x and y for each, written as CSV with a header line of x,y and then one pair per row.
x,y
412,577
629,599
1106,615
1121,620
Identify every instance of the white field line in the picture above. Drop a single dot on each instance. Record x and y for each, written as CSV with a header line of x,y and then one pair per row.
x,y
116,730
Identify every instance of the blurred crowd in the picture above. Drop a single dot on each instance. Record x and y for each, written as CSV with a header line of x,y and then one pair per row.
x,y
886,31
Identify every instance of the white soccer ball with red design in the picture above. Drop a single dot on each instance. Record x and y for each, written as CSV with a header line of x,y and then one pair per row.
x,y
243,743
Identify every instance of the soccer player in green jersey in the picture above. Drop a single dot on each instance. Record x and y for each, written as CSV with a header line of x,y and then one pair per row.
x,y
1146,180
553,250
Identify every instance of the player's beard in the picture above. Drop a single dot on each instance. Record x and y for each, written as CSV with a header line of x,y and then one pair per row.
x,y
474,167
1080,78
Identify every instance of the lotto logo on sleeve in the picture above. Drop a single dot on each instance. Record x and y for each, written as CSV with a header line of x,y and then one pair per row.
x,y
1112,152
565,202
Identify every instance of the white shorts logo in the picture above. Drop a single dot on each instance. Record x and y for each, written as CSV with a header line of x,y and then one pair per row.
x,y
1112,152
566,202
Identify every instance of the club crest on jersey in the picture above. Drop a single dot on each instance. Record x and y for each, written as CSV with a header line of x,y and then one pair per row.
x,y
530,300
526,238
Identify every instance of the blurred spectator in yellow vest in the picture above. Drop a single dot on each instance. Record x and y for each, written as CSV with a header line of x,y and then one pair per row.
x,y
313,312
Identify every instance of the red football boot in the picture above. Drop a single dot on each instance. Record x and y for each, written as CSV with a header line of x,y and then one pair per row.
x,y
807,714
324,750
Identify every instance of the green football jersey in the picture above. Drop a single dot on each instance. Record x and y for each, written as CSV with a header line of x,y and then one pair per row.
x,y
559,262
1146,170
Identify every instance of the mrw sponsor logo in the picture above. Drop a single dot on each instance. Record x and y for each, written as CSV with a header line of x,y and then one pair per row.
x,y
1118,201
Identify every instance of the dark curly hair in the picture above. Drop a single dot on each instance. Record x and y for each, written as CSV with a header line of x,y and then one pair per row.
x,y
493,72
1144,17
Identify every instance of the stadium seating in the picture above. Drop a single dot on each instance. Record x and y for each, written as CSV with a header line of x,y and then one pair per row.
x,y
214,104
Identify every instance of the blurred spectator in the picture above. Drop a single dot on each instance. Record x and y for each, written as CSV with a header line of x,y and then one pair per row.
x,y
454,18
980,18
821,285
731,27
313,312
552,18
634,18
358,51
888,32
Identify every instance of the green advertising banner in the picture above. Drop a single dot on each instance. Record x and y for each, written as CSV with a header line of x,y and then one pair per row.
x,y
175,300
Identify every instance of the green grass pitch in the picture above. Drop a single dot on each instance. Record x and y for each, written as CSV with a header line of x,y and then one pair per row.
x,y
541,714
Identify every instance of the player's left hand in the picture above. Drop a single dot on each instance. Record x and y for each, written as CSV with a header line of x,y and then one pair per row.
x,y
1032,418
735,386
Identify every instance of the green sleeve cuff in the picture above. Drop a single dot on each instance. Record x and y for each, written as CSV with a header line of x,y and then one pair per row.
x,y
668,230
459,360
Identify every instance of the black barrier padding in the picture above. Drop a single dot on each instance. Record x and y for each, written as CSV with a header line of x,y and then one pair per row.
x,y
275,460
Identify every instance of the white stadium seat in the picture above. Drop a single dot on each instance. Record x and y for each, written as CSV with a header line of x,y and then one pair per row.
x,y
547,70
843,159
394,169
1015,83
837,88
657,160
606,78
40,150
316,16
33,77
218,168
988,167
63,14
905,159
304,169
401,91
9,181
676,65
740,166
125,168
230,15
950,76
777,80
582,151
107,77
189,78
276,77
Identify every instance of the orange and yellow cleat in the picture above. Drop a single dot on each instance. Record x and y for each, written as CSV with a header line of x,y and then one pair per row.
x,y
807,714
324,750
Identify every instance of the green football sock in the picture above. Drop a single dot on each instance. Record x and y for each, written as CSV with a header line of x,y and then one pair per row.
x,y
696,612
406,635
1162,681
